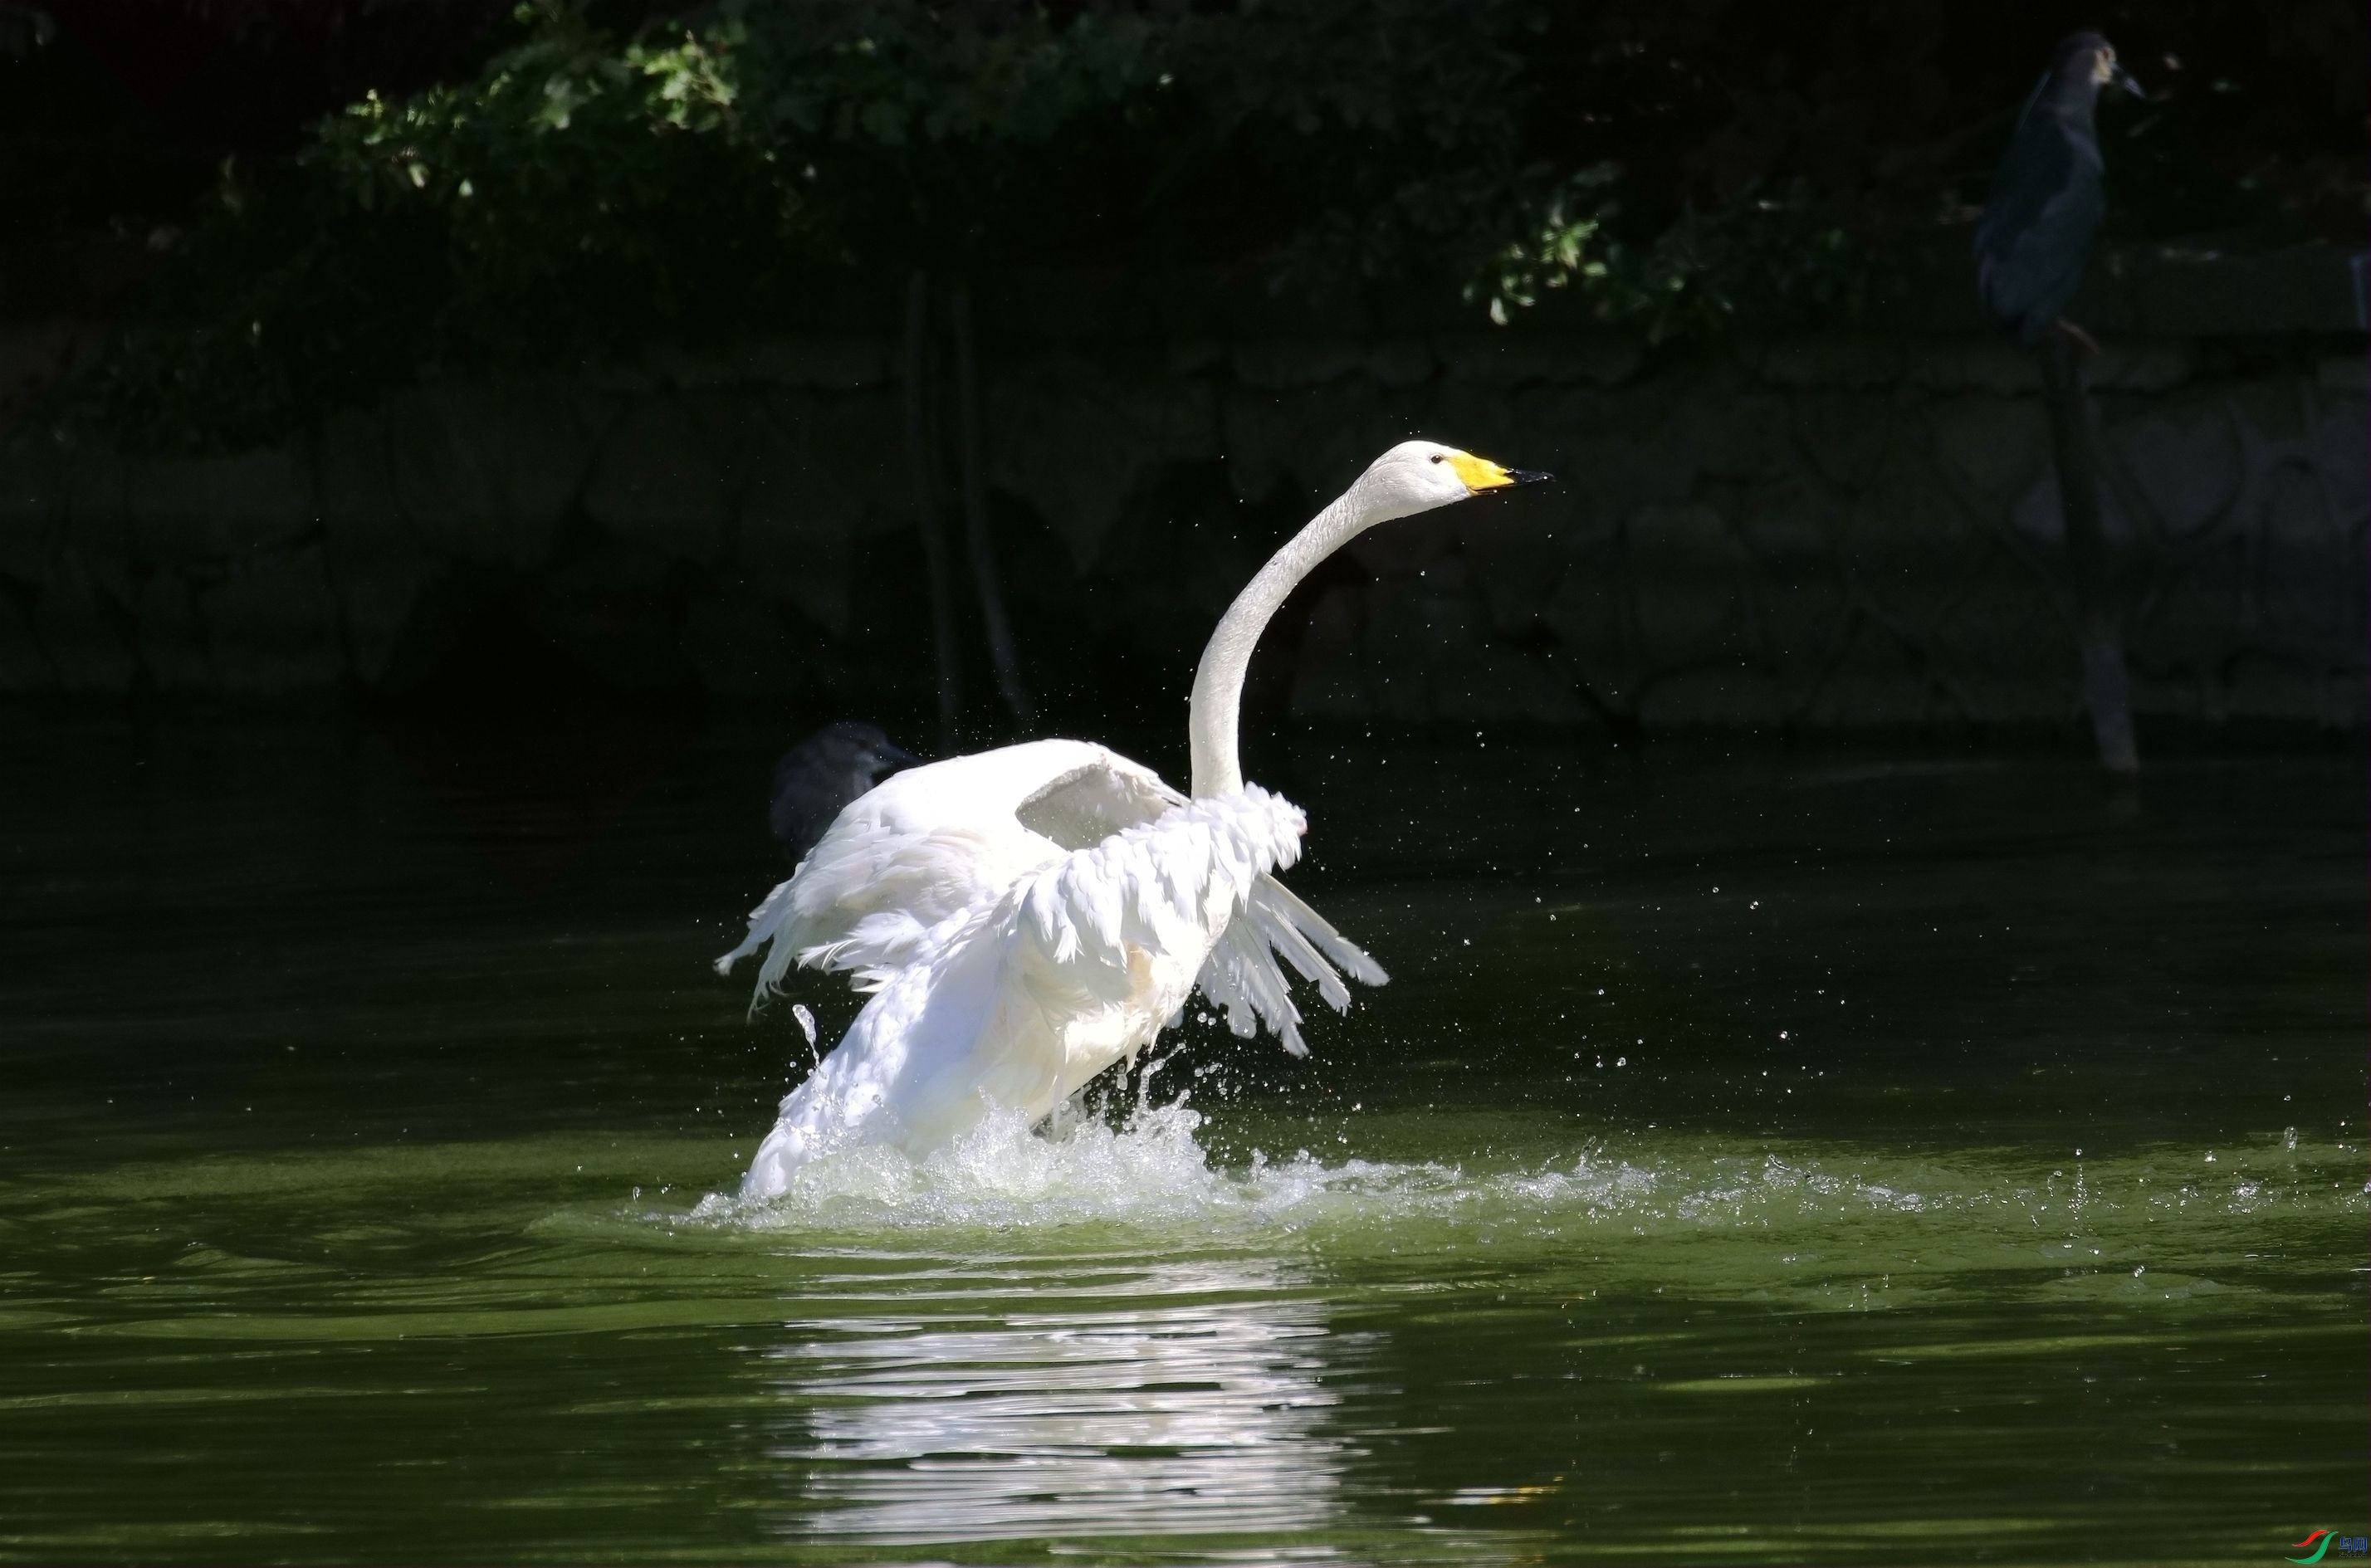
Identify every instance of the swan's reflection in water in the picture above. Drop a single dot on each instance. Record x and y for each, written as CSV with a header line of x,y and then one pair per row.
x,y
1075,1399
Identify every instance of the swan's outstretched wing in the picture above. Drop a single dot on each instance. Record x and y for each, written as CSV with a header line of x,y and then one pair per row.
x,y
1090,853
1161,887
1241,975
934,842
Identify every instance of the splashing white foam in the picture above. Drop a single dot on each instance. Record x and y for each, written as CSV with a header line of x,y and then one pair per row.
x,y
1150,1172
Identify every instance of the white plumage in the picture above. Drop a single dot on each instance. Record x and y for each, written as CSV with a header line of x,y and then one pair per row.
x,y
1025,917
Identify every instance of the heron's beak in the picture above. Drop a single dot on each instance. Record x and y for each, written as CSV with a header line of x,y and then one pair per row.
x,y
1481,474
2124,80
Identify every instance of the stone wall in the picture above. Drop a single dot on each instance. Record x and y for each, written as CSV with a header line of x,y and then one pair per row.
x,y
1829,532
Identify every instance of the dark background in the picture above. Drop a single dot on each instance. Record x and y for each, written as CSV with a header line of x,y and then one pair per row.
x,y
1215,256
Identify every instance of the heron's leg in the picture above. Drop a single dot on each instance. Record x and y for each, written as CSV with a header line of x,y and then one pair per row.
x,y
2079,337
2106,684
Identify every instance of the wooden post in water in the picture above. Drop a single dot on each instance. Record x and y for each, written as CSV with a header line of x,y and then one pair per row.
x,y
2106,689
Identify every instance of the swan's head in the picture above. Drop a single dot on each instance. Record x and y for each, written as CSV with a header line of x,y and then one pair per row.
x,y
1417,476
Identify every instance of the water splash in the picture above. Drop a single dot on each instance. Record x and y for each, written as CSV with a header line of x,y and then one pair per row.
x,y
1147,1170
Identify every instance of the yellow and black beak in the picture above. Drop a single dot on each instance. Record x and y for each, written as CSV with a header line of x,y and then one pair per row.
x,y
1481,474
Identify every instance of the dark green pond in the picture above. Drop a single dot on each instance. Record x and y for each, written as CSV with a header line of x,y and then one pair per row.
x,y
1755,1158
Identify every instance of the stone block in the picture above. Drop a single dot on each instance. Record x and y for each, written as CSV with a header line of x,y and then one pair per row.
x,y
1857,439
82,627
2038,518
1796,602
97,517
1834,361
388,607
1520,358
659,483
1905,548
2262,685
826,363
823,468
1998,444
356,495
1875,682
1478,683
2002,642
170,639
613,608
24,668
2191,625
488,474
536,442
1545,427
802,516
438,481
1516,557
736,643
2192,293
1471,416
2126,365
1329,678
187,510
2189,468
1686,571
32,505
2310,583
272,626
1412,625
1740,435
1994,367
2340,446
1316,362
2349,373
1639,458
1593,619
37,355
1074,439
1727,695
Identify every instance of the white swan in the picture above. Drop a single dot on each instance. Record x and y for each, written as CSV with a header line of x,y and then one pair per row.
x,y
1026,917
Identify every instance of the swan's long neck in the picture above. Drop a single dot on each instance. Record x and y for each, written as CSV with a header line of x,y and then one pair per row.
x,y
1219,681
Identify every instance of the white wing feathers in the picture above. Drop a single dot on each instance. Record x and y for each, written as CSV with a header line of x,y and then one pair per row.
x,y
866,898
1159,885
1242,976
1204,865
877,899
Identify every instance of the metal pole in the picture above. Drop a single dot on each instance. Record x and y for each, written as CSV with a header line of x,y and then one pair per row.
x,y
2106,691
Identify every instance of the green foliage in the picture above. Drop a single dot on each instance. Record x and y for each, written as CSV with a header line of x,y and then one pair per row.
x,y
587,188
594,186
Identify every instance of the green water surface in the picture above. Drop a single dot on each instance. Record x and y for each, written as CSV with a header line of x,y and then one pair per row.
x,y
1755,1158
